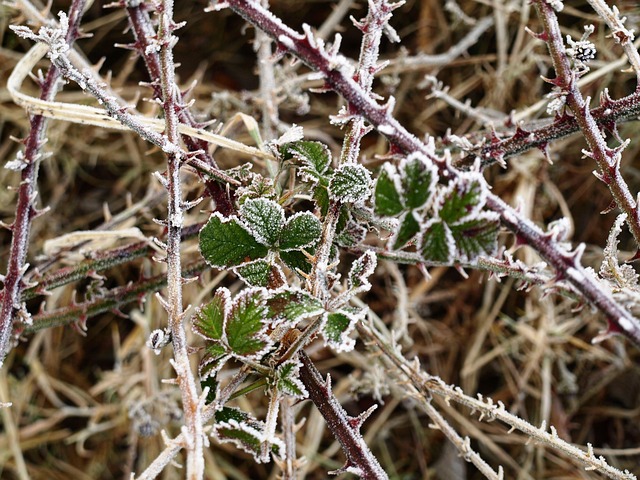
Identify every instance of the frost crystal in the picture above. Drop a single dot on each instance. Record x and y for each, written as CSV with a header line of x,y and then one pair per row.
x,y
557,5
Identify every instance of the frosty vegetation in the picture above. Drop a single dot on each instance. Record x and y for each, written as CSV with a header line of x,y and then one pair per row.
x,y
293,241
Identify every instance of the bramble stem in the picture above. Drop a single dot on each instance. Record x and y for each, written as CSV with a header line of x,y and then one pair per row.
x,y
27,194
191,403
607,159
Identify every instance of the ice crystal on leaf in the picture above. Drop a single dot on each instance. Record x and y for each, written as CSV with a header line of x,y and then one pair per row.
x,y
351,183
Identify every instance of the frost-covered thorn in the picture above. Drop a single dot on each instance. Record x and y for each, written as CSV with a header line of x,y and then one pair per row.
x,y
357,422
163,302
539,36
315,43
557,5
215,6
360,25
160,177
335,46
610,208
188,205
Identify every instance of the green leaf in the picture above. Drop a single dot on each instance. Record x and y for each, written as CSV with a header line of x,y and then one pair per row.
x,y
437,242
314,156
209,320
337,327
350,183
386,197
264,219
227,414
408,229
292,305
224,243
243,430
321,197
352,234
418,177
287,380
296,260
261,274
477,236
302,230
463,197
245,328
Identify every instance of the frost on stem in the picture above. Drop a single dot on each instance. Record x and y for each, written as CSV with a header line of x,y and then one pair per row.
x,y
55,37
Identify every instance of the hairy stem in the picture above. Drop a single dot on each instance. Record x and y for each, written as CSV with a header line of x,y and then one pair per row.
x,y
110,301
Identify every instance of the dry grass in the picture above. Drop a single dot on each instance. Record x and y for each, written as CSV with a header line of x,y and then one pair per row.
x,y
93,406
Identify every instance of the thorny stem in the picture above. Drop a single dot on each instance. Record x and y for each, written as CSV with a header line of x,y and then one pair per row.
x,y
426,385
143,31
99,261
110,301
608,159
191,404
345,428
527,138
567,264
27,194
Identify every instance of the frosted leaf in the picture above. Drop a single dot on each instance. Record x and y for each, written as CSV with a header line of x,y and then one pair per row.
x,y
235,328
352,234
436,242
314,158
361,270
407,230
290,305
337,326
418,178
246,326
351,183
302,230
225,242
387,189
464,197
264,219
242,429
261,274
476,236
287,379
209,319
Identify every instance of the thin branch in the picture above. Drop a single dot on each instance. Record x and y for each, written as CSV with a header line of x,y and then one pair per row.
x,y
191,402
426,385
110,301
621,34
